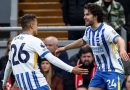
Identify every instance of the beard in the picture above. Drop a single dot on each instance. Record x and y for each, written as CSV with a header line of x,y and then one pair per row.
x,y
88,23
87,65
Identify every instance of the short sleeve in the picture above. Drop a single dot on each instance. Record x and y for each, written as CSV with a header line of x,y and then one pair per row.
x,y
111,34
39,47
85,38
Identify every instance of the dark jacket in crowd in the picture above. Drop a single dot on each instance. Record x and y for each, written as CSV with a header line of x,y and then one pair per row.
x,y
3,62
73,11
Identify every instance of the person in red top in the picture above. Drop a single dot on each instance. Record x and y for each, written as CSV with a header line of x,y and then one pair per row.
x,y
86,58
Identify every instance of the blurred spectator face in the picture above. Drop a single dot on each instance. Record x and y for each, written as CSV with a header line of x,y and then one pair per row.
x,y
128,83
82,88
51,43
88,17
45,66
86,58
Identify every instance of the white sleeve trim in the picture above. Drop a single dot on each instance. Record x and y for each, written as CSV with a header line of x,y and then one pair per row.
x,y
7,72
59,63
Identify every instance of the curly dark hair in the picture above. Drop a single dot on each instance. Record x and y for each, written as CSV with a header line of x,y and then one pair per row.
x,y
85,49
96,10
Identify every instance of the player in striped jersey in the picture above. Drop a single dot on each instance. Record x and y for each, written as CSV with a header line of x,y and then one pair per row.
x,y
104,42
23,56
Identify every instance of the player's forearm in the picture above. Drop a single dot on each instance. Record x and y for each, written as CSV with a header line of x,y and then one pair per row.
x,y
120,42
74,44
57,62
7,73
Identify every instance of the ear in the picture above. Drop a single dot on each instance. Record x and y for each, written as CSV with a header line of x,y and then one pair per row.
x,y
31,25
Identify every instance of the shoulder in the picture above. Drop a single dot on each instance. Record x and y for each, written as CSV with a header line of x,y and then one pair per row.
x,y
107,28
35,39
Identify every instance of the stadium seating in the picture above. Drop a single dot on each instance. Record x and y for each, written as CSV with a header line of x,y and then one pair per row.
x,y
49,13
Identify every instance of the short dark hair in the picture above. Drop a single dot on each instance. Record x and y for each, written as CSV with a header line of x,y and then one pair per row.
x,y
26,19
96,10
85,49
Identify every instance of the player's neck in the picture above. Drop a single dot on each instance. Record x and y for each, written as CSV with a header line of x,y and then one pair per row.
x,y
96,25
27,31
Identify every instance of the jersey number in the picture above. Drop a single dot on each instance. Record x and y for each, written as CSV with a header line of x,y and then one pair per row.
x,y
111,83
20,53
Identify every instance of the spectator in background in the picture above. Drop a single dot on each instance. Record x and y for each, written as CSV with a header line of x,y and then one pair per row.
x,y
52,44
126,67
114,13
11,85
126,5
3,62
127,83
86,58
73,16
82,88
54,80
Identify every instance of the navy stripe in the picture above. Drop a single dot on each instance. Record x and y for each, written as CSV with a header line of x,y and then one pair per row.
x,y
46,87
97,39
97,36
24,85
43,55
98,59
89,37
18,81
93,35
35,79
107,49
105,61
100,27
29,81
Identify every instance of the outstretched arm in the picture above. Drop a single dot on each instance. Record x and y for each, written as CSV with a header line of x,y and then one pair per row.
x,y
57,62
122,50
75,44
72,45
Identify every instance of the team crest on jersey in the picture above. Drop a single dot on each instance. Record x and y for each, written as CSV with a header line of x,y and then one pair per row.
x,y
42,45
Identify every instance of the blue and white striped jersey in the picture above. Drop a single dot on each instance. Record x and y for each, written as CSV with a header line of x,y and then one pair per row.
x,y
104,49
23,56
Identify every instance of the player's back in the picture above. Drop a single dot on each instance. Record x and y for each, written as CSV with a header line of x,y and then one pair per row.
x,y
23,58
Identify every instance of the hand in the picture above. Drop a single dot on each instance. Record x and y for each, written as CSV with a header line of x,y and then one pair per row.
x,y
4,87
59,50
124,55
77,70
